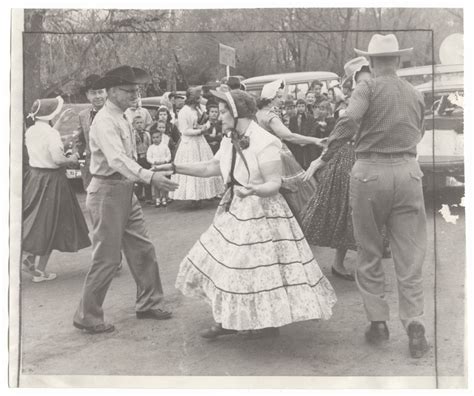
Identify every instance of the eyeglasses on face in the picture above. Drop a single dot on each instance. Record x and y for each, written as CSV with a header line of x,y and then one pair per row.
x,y
131,91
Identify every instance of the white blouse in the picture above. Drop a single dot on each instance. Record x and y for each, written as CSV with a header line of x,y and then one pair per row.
x,y
158,153
44,145
263,147
188,123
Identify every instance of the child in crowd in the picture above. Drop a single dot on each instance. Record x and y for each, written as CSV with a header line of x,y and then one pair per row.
x,y
324,121
159,153
289,111
171,135
143,141
302,123
213,134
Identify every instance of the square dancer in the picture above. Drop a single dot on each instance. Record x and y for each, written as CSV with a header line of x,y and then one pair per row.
x,y
117,217
385,114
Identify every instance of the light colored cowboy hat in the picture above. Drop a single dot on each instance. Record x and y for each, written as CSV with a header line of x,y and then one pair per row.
x,y
46,109
381,45
269,91
354,66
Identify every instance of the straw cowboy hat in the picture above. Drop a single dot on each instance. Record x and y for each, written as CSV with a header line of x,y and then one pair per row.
x,y
381,45
354,66
122,75
46,109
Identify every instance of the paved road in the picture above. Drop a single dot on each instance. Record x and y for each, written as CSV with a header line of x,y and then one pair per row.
x,y
50,345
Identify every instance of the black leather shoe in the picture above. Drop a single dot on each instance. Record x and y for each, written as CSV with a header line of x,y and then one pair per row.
x,y
157,314
416,340
377,333
97,329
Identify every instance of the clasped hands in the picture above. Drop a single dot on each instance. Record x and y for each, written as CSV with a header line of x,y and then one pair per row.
x,y
160,179
316,165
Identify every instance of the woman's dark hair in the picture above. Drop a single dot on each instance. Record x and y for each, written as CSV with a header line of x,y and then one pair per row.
x,y
29,122
262,102
193,96
154,128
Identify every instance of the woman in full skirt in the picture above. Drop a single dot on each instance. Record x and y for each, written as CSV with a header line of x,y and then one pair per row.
x,y
253,264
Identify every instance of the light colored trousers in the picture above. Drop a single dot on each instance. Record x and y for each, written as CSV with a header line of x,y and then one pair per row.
x,y
117,224
389,192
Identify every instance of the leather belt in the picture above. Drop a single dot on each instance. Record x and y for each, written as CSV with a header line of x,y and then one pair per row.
x,y
384,155
113,176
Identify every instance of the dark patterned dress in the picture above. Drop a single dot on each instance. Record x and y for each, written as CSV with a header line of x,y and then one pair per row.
x,y
327,219
294,189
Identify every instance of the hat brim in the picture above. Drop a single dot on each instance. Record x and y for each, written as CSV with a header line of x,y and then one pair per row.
x,y
405,51
351,76
109,81
88,87
56,111
220,95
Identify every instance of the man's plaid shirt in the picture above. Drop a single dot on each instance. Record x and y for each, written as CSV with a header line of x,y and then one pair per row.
x,y
386,116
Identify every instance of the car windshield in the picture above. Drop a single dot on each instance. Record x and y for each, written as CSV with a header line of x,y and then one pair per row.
x,y
444,103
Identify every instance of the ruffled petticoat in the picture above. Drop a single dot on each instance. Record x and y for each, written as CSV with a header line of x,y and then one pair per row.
x,y
255,268
195,149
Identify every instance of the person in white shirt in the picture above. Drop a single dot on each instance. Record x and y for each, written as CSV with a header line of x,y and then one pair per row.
x,y
52,217
193,148
157,154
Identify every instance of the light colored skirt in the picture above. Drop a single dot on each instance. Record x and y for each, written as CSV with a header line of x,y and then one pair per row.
x,y
195,149
255,268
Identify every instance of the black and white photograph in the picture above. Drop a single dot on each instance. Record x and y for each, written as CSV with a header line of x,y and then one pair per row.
x,y
237,198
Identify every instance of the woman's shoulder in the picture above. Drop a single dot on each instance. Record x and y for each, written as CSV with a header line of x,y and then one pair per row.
x,y
260,138
267,113
43,128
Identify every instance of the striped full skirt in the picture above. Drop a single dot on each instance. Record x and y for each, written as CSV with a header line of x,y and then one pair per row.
x,y
255,268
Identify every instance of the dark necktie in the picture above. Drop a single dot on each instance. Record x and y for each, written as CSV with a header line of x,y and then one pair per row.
x,y
93,114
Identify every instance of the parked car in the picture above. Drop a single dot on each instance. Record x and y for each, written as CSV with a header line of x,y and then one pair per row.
x,y
297,84
418,75
441,151
68,132
152,103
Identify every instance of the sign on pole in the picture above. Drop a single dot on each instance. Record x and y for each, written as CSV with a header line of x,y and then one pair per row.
x,y
226,55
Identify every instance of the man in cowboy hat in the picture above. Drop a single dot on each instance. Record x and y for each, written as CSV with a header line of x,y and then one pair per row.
x,y
96,98
385,114
117,218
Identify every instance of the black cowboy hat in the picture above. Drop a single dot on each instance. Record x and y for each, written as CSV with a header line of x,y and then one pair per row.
x,y
122,75
89,82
